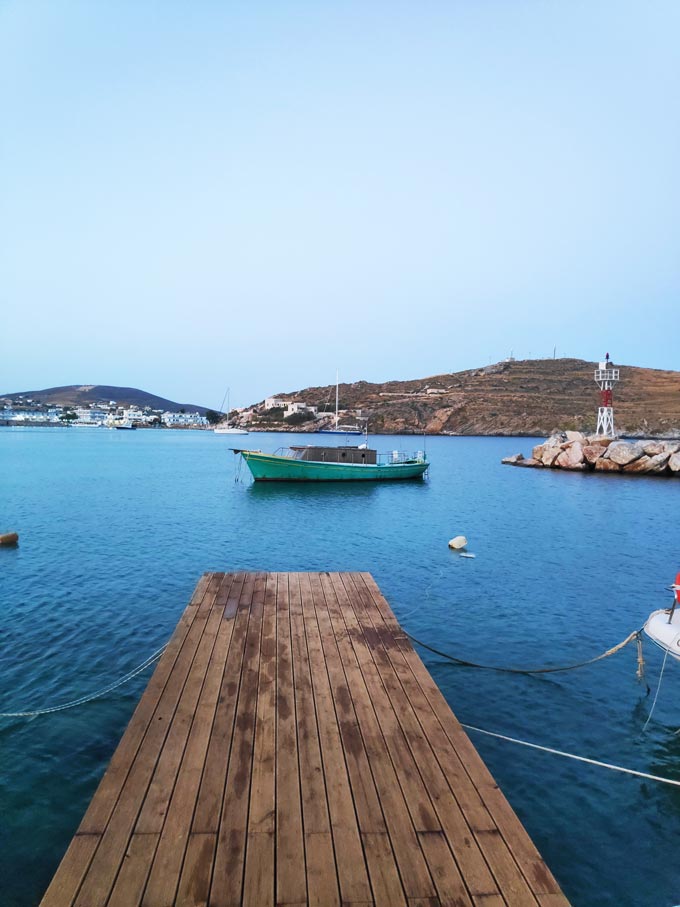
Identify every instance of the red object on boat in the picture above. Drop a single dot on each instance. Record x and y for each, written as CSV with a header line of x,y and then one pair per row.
x,y
677,589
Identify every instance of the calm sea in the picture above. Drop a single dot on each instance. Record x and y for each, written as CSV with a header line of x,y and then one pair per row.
x,y
117,527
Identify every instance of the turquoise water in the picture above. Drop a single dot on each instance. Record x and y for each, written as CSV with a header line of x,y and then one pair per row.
x,y
117,527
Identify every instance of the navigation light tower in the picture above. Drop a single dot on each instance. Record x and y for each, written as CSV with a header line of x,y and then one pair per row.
x,y
605,378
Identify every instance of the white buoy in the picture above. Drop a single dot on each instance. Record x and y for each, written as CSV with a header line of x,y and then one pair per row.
x,y
458,543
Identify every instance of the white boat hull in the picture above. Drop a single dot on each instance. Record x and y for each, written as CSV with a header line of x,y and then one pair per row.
x,y
666,635
230,431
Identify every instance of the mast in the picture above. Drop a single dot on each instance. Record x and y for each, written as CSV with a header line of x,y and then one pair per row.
x,y
337,379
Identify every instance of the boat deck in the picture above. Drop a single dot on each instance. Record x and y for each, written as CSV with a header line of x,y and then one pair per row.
x,y
292,749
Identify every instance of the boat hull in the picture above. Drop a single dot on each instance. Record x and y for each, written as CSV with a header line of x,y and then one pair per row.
x,y
665,634
273,468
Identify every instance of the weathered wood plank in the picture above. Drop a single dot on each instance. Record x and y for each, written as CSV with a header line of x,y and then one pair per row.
x,y
378,727
413,717
291,879
351,866
227,882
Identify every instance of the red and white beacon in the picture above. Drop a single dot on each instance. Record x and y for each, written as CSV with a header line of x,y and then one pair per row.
x,y
605,378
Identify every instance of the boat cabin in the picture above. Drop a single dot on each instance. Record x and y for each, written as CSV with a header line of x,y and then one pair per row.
x,y
354,455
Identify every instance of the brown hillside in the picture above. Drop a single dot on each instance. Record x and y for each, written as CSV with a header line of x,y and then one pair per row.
x,y
532,397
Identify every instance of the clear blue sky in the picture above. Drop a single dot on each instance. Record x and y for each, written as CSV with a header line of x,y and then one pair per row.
x,y
202,194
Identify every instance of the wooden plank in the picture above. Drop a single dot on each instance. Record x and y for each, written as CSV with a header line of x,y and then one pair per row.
x,y
291,879
260,850
320,865
227,881
377,728
351,866
211,792
71,872
167,863
129,885
194,882
385,881
413,719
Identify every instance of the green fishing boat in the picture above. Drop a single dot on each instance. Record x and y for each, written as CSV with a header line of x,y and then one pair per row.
x,y
314,463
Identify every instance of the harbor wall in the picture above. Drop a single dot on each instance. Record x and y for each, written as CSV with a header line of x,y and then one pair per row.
x,y
576,452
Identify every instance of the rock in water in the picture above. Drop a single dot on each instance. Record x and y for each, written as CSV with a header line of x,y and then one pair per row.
x,y
623,453
592,453
571,457
513,460
603,465
458,543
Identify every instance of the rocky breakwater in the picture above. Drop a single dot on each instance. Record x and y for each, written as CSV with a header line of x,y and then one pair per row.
x,y
577,452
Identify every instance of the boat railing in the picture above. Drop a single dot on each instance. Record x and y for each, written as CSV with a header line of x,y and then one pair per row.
x,y
286,452
400,456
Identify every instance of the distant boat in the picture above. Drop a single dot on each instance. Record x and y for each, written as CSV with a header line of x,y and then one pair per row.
x,y
337,428
224,428
125,426
313,463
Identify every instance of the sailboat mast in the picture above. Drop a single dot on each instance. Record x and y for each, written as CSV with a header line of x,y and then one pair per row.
x,y
337,379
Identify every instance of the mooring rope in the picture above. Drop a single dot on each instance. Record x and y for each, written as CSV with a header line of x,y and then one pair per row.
x,y
656,695
83,699
474,664
549,749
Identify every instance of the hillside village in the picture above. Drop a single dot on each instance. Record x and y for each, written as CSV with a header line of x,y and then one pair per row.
x,y
272,414
28,411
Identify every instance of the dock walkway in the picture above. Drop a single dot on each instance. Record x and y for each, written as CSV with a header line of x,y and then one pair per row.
x,y
292,749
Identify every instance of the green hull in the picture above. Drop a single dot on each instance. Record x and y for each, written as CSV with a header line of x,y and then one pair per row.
x,y
272,468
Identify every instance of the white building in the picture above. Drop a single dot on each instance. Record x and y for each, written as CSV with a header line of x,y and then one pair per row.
x,y
183,419
295,407
274,403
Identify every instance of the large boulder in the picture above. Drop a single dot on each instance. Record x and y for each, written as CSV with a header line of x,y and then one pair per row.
x,y
513,460
575,436
592,453
659,463
623,452
550,454
674,463
603,465
648,464
537,452
531,461
653,448
602,440
571,457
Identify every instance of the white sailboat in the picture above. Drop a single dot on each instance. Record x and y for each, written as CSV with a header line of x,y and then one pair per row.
x,y
224,428
337,428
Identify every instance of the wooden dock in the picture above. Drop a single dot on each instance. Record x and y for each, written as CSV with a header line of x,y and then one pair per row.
x,y
292,749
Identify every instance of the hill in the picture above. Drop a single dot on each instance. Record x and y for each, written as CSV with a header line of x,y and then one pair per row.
x,y
84,394
525,397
